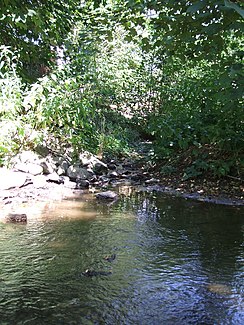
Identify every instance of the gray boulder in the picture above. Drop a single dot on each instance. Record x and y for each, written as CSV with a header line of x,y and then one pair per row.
x,y
10,179
39,181
55,178
42,150
63,167
49,165
113,174
70,185
85,158
82,183
76,172
26,157
28,162
31,168
90,161
99,167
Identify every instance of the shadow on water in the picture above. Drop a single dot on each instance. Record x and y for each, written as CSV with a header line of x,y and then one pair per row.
x,y
174,261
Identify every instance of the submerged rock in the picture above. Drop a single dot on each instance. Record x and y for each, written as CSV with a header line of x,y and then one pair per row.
x,y
16,217
108,195
110,258
91,273
218,288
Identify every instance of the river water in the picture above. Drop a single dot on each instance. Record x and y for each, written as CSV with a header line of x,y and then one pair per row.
x,y
173,261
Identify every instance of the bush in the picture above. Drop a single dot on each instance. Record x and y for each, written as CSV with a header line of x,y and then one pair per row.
x,y
16,128
200,109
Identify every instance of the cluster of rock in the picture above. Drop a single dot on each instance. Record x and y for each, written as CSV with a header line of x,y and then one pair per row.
x,y
32,168
29,167
44,176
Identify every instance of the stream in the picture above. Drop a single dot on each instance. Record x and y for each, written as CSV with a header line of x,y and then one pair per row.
x,y
148,258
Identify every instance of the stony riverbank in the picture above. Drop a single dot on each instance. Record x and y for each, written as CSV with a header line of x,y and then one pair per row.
x,y
44,178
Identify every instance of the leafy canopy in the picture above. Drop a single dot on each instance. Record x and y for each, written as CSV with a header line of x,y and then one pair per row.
x,y
34,27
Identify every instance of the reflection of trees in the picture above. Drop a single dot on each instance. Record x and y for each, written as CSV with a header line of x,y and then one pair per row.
x,y
190,248
213,233
167,251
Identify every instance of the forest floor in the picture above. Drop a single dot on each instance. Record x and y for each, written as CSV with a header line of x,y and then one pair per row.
x,y
209,189
225,190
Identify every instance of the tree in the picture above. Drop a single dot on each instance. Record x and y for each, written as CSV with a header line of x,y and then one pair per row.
x,y
199,51
34,28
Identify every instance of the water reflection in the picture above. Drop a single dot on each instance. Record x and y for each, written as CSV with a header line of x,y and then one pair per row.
x,y
177,262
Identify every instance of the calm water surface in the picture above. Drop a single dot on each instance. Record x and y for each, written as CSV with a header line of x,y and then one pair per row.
x,y
177,262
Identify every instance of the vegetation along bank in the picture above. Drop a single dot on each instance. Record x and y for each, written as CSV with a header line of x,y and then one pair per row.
x,y
152,91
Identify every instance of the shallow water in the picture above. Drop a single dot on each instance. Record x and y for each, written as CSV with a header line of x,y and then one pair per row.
x,y
177,262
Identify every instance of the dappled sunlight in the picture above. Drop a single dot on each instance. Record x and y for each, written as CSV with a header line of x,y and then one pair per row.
x,y
121,162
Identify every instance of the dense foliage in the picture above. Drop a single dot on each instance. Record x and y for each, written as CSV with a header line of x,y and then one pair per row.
x,y
171,73
34,28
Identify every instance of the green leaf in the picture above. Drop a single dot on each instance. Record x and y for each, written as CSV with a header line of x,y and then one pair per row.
x,y
234,6
196,7
213,29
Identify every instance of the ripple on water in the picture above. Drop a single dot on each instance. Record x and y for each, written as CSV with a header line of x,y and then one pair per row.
x,y
173,265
